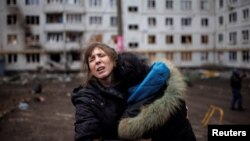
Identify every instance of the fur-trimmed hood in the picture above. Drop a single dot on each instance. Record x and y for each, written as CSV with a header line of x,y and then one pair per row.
x,y
158,112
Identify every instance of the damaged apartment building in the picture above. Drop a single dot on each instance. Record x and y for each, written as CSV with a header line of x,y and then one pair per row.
x,y
192,33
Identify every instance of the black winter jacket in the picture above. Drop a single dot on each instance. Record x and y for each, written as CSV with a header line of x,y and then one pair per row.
x,y
98,110
162,116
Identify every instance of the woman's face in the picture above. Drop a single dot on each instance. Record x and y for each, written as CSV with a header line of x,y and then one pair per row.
x,y
100,65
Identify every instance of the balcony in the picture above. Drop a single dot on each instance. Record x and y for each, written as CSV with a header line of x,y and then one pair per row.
x,y
54,27
55,7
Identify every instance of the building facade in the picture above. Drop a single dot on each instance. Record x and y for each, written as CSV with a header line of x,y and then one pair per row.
x,y
192,33
232,33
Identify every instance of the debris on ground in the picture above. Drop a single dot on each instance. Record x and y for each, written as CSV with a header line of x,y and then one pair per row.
x,y
23,105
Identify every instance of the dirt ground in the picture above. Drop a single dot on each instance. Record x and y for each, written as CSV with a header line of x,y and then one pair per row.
x,y
54,118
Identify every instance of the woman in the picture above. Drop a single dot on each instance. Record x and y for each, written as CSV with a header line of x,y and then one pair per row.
x,y
99,105
102,100
156,108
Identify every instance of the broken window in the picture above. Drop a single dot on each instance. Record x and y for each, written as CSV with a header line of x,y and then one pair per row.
x,y
11,19
151,4
151,21
169,21
33,58
232,56
186,39
12,39
204,22
151,39
75,55
133,45
12,58
169,39
95,20
133,27
73,36
11,2
186,21
113,21
55,57
54,18
246,56
31,39
133,9
55,37
96,38
73,18
204,39
32,20
186,56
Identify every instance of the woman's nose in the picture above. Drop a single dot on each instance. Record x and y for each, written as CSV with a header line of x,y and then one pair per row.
x,y
97,60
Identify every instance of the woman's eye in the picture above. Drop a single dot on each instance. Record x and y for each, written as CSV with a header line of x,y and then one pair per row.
x,y
102,55
91,59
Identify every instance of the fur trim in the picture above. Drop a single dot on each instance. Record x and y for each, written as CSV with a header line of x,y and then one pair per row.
x,y
158,112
